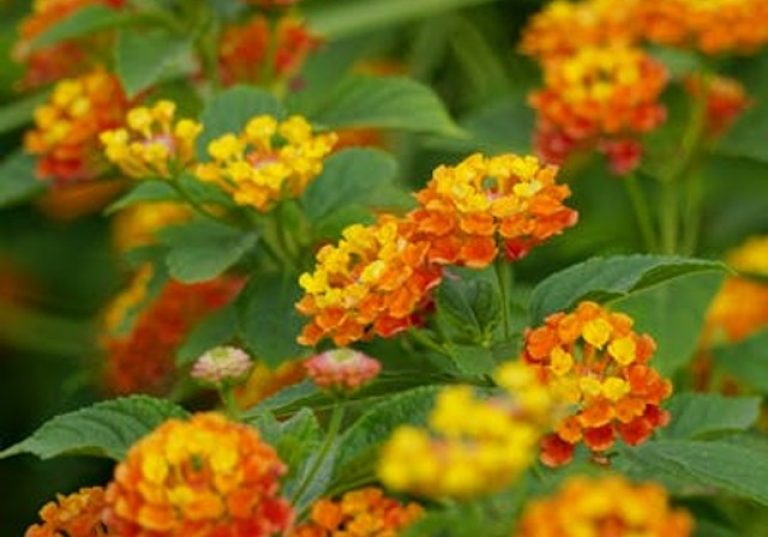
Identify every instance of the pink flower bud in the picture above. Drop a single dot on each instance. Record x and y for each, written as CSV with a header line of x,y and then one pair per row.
x,y
222,364
343,370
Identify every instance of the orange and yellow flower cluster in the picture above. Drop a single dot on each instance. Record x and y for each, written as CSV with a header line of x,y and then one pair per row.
x,y
67,128
473,446
268,161
259,51
563,28
63,59
151,144
376,281
726,100
608,506
359,513
602,366
205,476
740,309
602,98
713,27
76,515
468,209
143,358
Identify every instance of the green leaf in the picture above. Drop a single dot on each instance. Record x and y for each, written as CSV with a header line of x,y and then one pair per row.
x,y
201,250
142,58
230,110
299,439
20,112
360,443
473,360
106,429
698,415
607,278
673,313
84,21
18,182
740,470
269,323
145,191
351,176
471,304
352,17
217,329
386,103
746,360
744,138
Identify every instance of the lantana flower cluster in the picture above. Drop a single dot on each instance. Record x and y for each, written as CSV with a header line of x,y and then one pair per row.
x,y
67,128
68,58
267,161
377,279
359,513
472,445
143,357
602,98
76,515
601,365
152,144
262,51
342,370
204,476
607,506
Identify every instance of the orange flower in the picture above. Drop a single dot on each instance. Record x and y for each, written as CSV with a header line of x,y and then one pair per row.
x,y
359,513
609,506
204,477
595,357
143,358
713,27
741,307
257,52
45,65
562,28
600,98
76,515
726,100
467,210
376,280
67,128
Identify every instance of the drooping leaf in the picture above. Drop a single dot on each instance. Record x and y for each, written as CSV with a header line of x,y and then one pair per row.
x,y
145,191
698,415
607,278
201,250
673,313
230,110
106,429
386,103
142,58
18,182
351,17
269,323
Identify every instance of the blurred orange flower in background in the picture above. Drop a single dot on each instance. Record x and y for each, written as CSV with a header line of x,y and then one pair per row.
x,y
76,515
607,507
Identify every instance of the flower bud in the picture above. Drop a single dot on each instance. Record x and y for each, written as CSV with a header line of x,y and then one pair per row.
x,y
222,364
342,370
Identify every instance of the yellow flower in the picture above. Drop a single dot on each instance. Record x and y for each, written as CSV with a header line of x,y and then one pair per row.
x,y
150,144
268,161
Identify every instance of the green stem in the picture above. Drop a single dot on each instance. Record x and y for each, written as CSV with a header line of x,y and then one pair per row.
x,y
337,416
669,217
502,275
227,394
642,212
